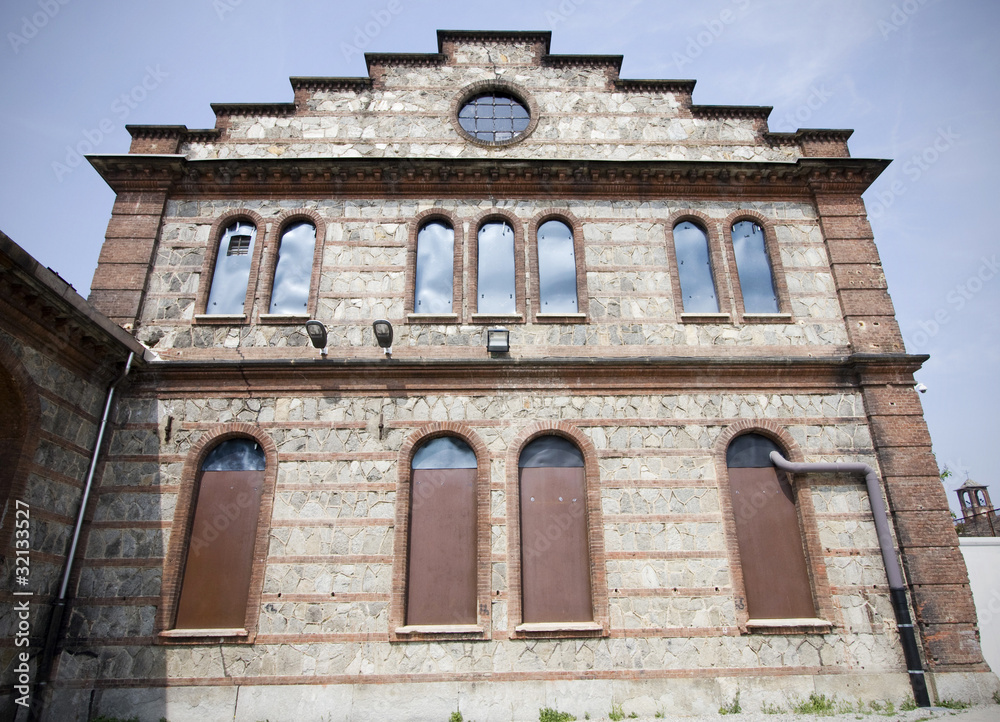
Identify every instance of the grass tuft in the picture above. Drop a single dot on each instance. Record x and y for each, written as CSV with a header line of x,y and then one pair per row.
x,y
733,707
547,714
456,716
816,704
616,713
952,704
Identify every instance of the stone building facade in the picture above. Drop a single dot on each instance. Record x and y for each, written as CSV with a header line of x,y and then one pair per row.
x,y
646,378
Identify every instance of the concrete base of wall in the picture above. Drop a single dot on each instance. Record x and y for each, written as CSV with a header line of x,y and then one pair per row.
x,y
494,701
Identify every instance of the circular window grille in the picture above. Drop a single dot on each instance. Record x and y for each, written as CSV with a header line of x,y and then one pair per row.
x,y
494,117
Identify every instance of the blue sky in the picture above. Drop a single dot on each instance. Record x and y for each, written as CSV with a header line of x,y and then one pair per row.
x,y
915,79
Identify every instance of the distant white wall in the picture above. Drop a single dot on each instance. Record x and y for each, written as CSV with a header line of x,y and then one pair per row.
x,y
982,557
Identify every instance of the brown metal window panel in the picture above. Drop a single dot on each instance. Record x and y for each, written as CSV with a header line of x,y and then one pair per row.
x,y
555,559
767,531
220,552
441,586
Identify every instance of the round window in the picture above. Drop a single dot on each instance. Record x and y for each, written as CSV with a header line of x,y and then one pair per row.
x,y
494,117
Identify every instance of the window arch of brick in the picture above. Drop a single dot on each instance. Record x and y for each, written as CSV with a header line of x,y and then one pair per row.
x,y
595,534
807,525
534,288
20,415
400,565
778,279
216,232
272,248
181,532
496,216
429,216
716,257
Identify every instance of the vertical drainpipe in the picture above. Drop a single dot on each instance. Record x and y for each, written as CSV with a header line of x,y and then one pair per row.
x,y
59,603
893,572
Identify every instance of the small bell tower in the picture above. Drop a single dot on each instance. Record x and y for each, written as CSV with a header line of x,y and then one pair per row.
x,y
978,514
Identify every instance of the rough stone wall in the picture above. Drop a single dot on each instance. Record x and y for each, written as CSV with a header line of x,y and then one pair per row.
x,y
62,408
325,608
628,283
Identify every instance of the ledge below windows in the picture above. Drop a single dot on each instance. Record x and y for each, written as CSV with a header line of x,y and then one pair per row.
x,y
432,318
560,318
439,632
705,318
497,318
220,319
559,629
286,319
767,318
788,626
203,636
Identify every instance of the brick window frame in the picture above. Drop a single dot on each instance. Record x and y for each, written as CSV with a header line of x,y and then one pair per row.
x,y
827,616
499,87
219,227
180,536
472,271
717,260
27,406
418,222
778,278
269,265
595,533
398,631
534,288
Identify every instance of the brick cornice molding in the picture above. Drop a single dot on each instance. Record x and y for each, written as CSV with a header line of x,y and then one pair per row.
x,y
485,177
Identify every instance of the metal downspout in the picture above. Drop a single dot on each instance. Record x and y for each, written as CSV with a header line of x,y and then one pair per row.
x,y
59,603
893,572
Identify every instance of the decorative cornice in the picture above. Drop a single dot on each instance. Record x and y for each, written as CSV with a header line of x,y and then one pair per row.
x,y
496,36
708,112
808,135
685,87
157,132
418,60
681,374
305,83
253,108
474,177
568,61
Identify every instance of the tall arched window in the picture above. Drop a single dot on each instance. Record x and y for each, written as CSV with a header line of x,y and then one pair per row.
x,y
496,288
754,268
772,557
694,269
232,269
13,430
555,557
435,269
441,574
293,269
556,268
219,565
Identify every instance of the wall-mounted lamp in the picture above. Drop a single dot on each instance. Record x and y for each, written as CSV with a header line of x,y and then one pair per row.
x,y
383,334
317,334
497,340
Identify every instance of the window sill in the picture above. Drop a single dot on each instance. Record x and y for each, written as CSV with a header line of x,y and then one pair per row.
x,y
220,319
497,318
440,629
560,317
202,634
767,318
788,626
705,318
432,318
558,629
284,318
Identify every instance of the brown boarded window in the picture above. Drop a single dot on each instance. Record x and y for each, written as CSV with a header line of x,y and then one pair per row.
x,y
219,563
772,557
555,558
441,573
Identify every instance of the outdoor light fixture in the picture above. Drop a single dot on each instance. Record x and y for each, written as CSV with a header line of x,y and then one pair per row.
x,y
497,340
383,334
317,334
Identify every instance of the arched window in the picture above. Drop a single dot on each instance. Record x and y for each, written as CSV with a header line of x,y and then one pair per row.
x,y
555,558
495,285
293,269
13,432
694,269
232,269
435,269
219,565
441,574
754,268
556,268
775,575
